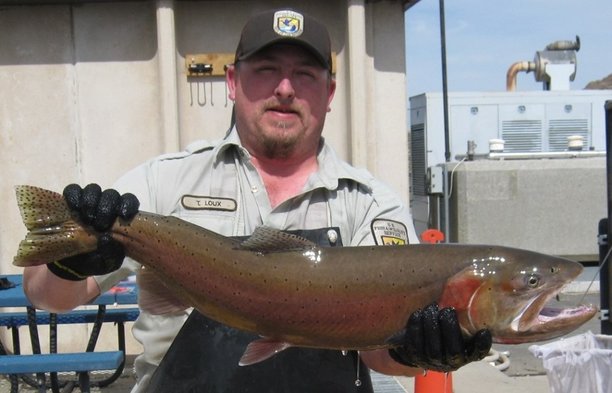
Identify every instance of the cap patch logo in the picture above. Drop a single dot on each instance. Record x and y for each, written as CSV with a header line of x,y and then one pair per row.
x,y
288,23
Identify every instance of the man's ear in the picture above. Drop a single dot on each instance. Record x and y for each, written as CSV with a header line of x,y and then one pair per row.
x,y
230,80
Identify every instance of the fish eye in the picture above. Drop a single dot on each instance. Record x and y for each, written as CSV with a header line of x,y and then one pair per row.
x,y
533,281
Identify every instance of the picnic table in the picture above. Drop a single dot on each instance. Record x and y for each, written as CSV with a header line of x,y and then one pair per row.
x,y
111,308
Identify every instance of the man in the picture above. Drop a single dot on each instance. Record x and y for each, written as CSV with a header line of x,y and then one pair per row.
x,y
272,168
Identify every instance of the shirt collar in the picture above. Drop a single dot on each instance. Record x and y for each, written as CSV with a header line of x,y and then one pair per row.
x,y
231,139
331,168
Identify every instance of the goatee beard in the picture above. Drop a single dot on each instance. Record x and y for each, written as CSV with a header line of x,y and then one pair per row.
x,y
280,146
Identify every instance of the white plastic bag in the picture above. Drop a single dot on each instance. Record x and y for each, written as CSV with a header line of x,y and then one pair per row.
x,y
578,364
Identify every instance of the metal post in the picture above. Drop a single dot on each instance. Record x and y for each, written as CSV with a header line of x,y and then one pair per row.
x,y
604,282
447,153
604,276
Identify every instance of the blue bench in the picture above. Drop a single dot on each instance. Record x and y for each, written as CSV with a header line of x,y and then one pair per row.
x,y
59,362
20,318
81,362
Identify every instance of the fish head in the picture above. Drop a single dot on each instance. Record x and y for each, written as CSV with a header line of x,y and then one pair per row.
x,y
507,291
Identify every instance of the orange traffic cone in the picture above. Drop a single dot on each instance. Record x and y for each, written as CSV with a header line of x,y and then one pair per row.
x,y
433,382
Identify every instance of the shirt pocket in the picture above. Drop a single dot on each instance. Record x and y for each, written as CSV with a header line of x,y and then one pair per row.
x,y
221,222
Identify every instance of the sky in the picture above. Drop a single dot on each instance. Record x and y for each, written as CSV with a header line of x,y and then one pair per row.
x,y
485,37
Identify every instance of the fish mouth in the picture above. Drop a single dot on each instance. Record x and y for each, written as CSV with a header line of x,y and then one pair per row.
x,y
539,320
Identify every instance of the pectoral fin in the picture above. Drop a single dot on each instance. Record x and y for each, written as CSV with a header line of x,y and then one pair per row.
x,y
260,350
154,297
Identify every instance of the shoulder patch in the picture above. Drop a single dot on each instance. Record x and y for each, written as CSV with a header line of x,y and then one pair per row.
x,y
389,232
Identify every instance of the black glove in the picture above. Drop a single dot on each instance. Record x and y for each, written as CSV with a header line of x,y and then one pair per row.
x,y
99,209
433,341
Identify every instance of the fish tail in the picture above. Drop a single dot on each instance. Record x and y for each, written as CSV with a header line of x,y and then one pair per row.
x,y
53,233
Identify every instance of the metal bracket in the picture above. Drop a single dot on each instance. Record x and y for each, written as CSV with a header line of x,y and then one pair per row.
x,y
602,239
208,64
604,315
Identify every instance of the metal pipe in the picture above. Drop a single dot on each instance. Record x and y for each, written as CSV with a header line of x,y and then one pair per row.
x,y
544,154
604,284
447,152
519,66
565,45
604,281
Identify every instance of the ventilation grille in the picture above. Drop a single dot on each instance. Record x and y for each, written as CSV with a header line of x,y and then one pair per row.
x,y
417,142
559,130
522,135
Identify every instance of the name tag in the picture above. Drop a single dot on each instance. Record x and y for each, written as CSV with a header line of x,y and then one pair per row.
x,y
194,202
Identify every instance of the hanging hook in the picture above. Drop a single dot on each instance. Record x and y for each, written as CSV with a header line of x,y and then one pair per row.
x,y
201,97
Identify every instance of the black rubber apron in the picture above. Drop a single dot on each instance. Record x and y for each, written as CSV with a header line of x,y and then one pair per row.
x,y
204,358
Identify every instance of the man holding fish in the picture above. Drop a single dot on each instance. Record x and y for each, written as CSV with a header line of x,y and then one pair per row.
x,y
272,169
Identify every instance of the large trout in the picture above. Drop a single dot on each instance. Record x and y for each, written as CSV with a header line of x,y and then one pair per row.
x,y
294,293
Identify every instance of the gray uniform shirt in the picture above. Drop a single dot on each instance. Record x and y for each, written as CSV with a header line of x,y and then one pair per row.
x,y
217,187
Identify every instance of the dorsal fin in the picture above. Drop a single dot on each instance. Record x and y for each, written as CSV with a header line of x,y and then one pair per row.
x,y
265,239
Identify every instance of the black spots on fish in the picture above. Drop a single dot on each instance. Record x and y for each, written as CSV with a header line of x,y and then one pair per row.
x,y
247,273
180,245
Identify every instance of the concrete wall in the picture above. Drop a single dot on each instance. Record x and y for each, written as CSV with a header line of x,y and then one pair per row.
x,y
89,90
551,206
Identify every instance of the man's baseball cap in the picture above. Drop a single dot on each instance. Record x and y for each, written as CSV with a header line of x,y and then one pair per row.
x,y
285,26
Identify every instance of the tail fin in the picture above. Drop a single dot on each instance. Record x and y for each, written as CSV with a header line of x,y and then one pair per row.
x,y
53,233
